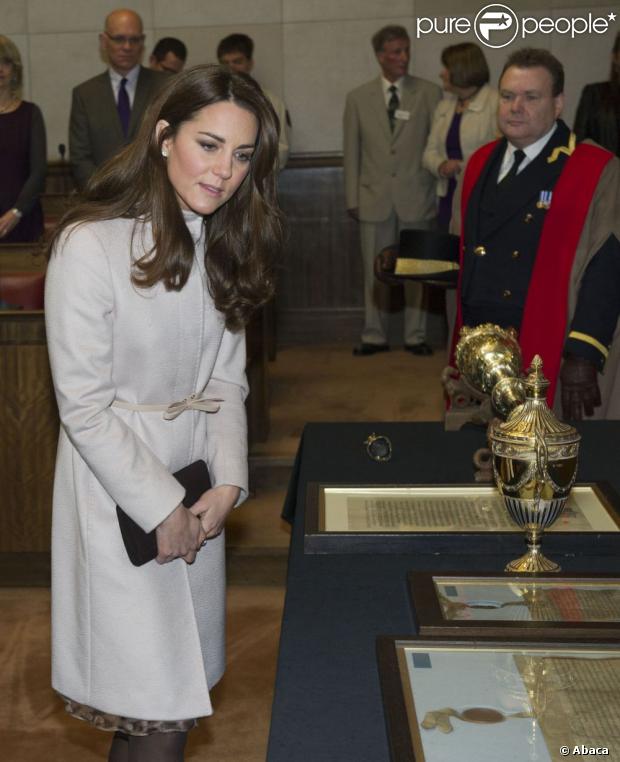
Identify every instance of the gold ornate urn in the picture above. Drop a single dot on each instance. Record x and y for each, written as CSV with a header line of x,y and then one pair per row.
x,y
534,464
534,455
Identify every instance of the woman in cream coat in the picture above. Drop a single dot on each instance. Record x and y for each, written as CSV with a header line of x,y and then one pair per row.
x,y
463,121
150,281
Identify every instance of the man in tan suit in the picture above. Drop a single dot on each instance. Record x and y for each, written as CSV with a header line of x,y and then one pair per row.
x,y
386,124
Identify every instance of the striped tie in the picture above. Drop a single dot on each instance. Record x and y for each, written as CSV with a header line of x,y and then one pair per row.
x,y
393,105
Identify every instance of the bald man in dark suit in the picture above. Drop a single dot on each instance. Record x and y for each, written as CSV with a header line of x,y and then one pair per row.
x,y
106,110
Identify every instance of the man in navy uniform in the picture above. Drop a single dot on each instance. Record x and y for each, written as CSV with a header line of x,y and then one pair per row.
x,y
540,217
540,250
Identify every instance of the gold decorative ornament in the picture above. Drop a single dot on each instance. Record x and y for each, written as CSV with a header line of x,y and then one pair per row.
x,y
489,360
421,267
534,464
534,455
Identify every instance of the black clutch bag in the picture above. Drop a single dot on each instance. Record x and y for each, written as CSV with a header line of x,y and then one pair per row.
x,y
141,546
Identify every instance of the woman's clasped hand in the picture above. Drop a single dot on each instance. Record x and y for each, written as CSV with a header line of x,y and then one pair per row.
x,y
185,531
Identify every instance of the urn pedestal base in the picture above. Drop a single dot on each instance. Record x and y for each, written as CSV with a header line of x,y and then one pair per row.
x,y
534,561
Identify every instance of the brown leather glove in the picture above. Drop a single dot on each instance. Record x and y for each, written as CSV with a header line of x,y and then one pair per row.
x,y
385,262
580,392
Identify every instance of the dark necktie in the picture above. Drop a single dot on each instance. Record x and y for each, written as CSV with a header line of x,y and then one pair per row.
x,y
123,107
517,158
393,105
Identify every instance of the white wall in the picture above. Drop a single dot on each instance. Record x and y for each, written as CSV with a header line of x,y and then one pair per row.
x,y
309,51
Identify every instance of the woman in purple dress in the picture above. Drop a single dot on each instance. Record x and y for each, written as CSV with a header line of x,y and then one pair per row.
x,y
22,154
463,121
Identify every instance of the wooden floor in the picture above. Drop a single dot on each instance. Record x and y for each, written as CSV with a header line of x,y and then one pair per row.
x,y
307,384
326,383
35,728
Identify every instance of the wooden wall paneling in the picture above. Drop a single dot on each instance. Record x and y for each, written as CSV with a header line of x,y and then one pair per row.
x,y
59,193
59,180
322,261
257,403
320,294
54,206
22,257
28,433
320,289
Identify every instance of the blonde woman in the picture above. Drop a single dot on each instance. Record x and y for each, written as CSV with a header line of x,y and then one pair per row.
x,y
22,154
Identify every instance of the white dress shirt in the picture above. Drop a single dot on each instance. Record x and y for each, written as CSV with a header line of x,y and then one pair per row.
x,y
531,152
132,81
386,84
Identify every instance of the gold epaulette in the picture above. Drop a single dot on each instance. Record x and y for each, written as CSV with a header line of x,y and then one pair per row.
x,y
572,142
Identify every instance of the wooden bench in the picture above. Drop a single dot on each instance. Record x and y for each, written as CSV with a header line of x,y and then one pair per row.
x,y
28,424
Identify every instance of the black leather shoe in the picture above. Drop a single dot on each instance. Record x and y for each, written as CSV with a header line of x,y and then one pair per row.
x,y
422,349
369,349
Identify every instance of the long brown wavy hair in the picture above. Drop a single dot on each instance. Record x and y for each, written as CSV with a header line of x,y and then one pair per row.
x,y
243,236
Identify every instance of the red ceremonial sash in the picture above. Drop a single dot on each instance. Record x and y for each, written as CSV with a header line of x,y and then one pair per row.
x,y
543,328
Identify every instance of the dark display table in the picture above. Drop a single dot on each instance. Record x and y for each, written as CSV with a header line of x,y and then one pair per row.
x,y
327,704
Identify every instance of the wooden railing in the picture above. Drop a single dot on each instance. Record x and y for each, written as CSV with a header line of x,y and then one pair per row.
x,y
28,419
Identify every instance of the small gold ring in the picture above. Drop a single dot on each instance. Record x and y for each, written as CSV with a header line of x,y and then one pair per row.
x,y
378,448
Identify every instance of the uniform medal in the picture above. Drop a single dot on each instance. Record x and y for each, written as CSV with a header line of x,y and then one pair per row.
x,y
544,200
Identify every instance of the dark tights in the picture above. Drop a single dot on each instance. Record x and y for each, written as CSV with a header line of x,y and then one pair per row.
x,y
157,747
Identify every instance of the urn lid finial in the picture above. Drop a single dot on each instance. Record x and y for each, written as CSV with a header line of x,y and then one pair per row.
x,y
536,384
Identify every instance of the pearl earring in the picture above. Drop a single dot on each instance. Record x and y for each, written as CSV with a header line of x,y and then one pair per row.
x,y
164,153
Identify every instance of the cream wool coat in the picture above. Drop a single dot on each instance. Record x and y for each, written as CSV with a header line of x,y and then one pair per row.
x,y
478,127
143,642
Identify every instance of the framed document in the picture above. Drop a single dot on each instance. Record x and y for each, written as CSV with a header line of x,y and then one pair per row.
x,y
584,606
449,519
490,701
